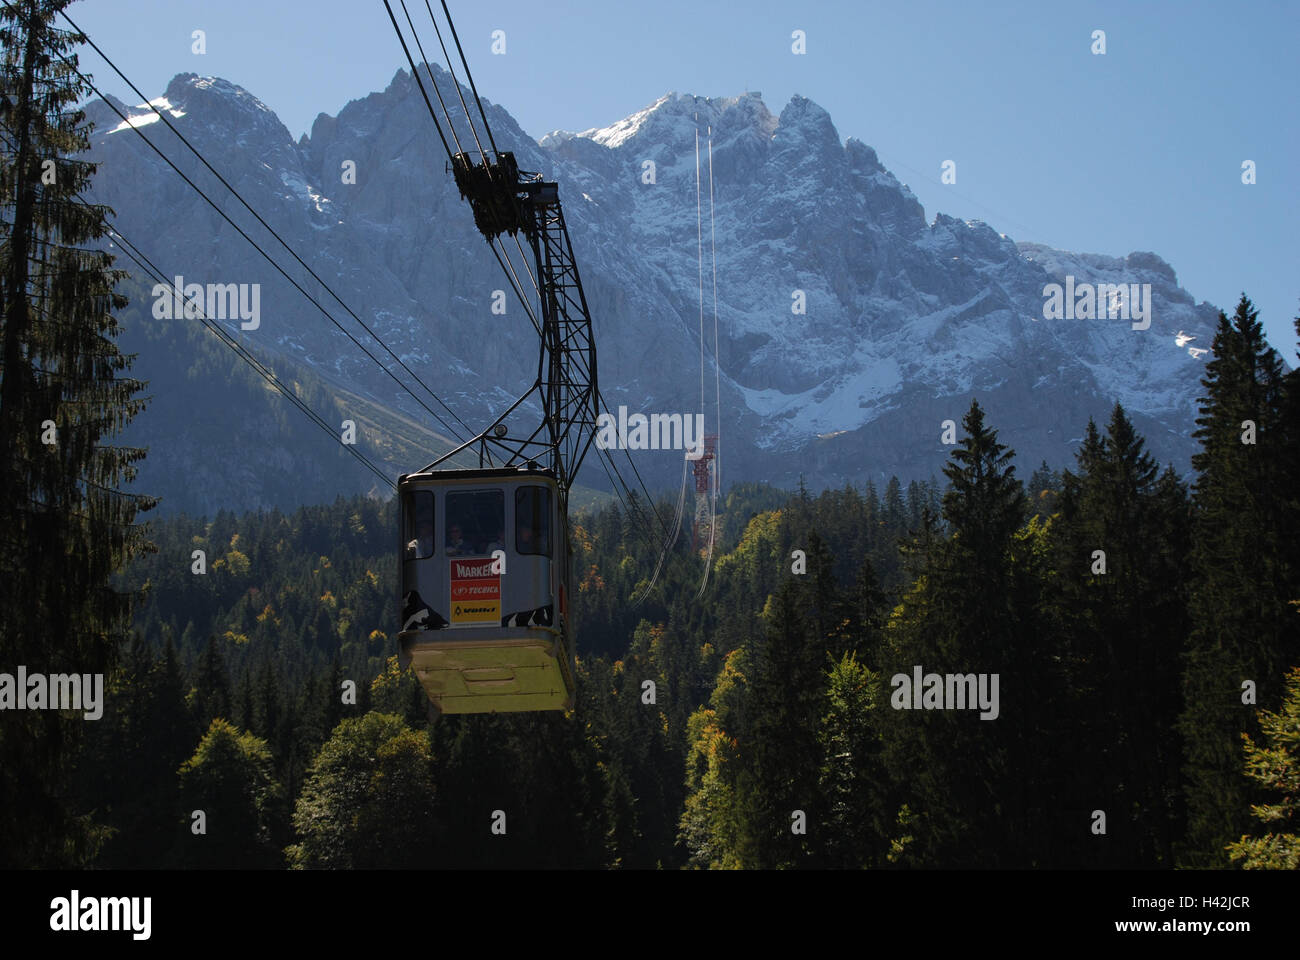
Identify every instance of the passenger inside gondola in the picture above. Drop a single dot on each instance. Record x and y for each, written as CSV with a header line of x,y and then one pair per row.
x,y
532,521
419,525
531,540
422,545
456,543
472,517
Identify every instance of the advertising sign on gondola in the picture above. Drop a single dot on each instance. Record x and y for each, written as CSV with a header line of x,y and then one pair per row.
x,y
475,592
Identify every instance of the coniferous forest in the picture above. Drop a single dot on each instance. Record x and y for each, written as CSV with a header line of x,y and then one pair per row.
x,y
1140,623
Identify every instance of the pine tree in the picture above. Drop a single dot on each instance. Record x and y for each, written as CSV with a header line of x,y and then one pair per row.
x,y
828,616
1289,482
1044,490
333,695
169,718
868,612
66,525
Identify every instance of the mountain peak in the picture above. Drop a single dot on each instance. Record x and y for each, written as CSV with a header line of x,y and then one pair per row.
x,y
905,319
185,86
810,119
675,116
617,134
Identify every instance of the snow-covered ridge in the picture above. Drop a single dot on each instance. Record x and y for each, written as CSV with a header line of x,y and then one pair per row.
x,y
142,115
850,323
675,110
617,134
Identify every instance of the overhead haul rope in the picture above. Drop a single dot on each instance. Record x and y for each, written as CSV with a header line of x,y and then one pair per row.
x,y
468,76
86,79
681,494
147,266
501,253
699,250
717,347
639,598
487,129
717,384
454,82
506,267
672,534
503,256
505,260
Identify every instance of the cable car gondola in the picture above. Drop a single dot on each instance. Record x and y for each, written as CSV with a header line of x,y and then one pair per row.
x,y
484,552
485,583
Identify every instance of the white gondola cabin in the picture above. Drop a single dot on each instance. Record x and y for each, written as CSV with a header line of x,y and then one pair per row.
x,y
485,588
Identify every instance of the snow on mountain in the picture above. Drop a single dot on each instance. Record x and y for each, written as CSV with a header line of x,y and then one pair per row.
x,y
142,115
904,318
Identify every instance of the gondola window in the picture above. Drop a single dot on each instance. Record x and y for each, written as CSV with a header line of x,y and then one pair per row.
x,y
418,511
533,521
476,522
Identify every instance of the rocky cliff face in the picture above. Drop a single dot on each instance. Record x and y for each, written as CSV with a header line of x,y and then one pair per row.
x,y
904,319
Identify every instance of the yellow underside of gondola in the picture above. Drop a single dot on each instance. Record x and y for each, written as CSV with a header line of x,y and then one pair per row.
x,y
464,675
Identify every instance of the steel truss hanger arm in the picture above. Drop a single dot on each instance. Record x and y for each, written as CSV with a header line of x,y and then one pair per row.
x,y
505,199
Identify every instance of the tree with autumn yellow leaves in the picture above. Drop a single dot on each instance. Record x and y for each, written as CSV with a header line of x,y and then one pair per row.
x,y
1276,768
233,802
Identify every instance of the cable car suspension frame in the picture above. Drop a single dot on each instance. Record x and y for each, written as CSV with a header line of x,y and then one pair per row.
x,y
505,199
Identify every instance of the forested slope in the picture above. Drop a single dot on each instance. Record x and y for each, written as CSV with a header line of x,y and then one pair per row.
x,y
1130,627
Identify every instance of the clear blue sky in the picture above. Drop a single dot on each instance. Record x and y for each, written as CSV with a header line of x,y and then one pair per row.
x,y
1139,149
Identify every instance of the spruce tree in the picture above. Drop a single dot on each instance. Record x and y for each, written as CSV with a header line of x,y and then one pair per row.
x,y
245,708
211,698
853,784
779,740
1118,602
895,508
66,524
985,502
1244,632
973,785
